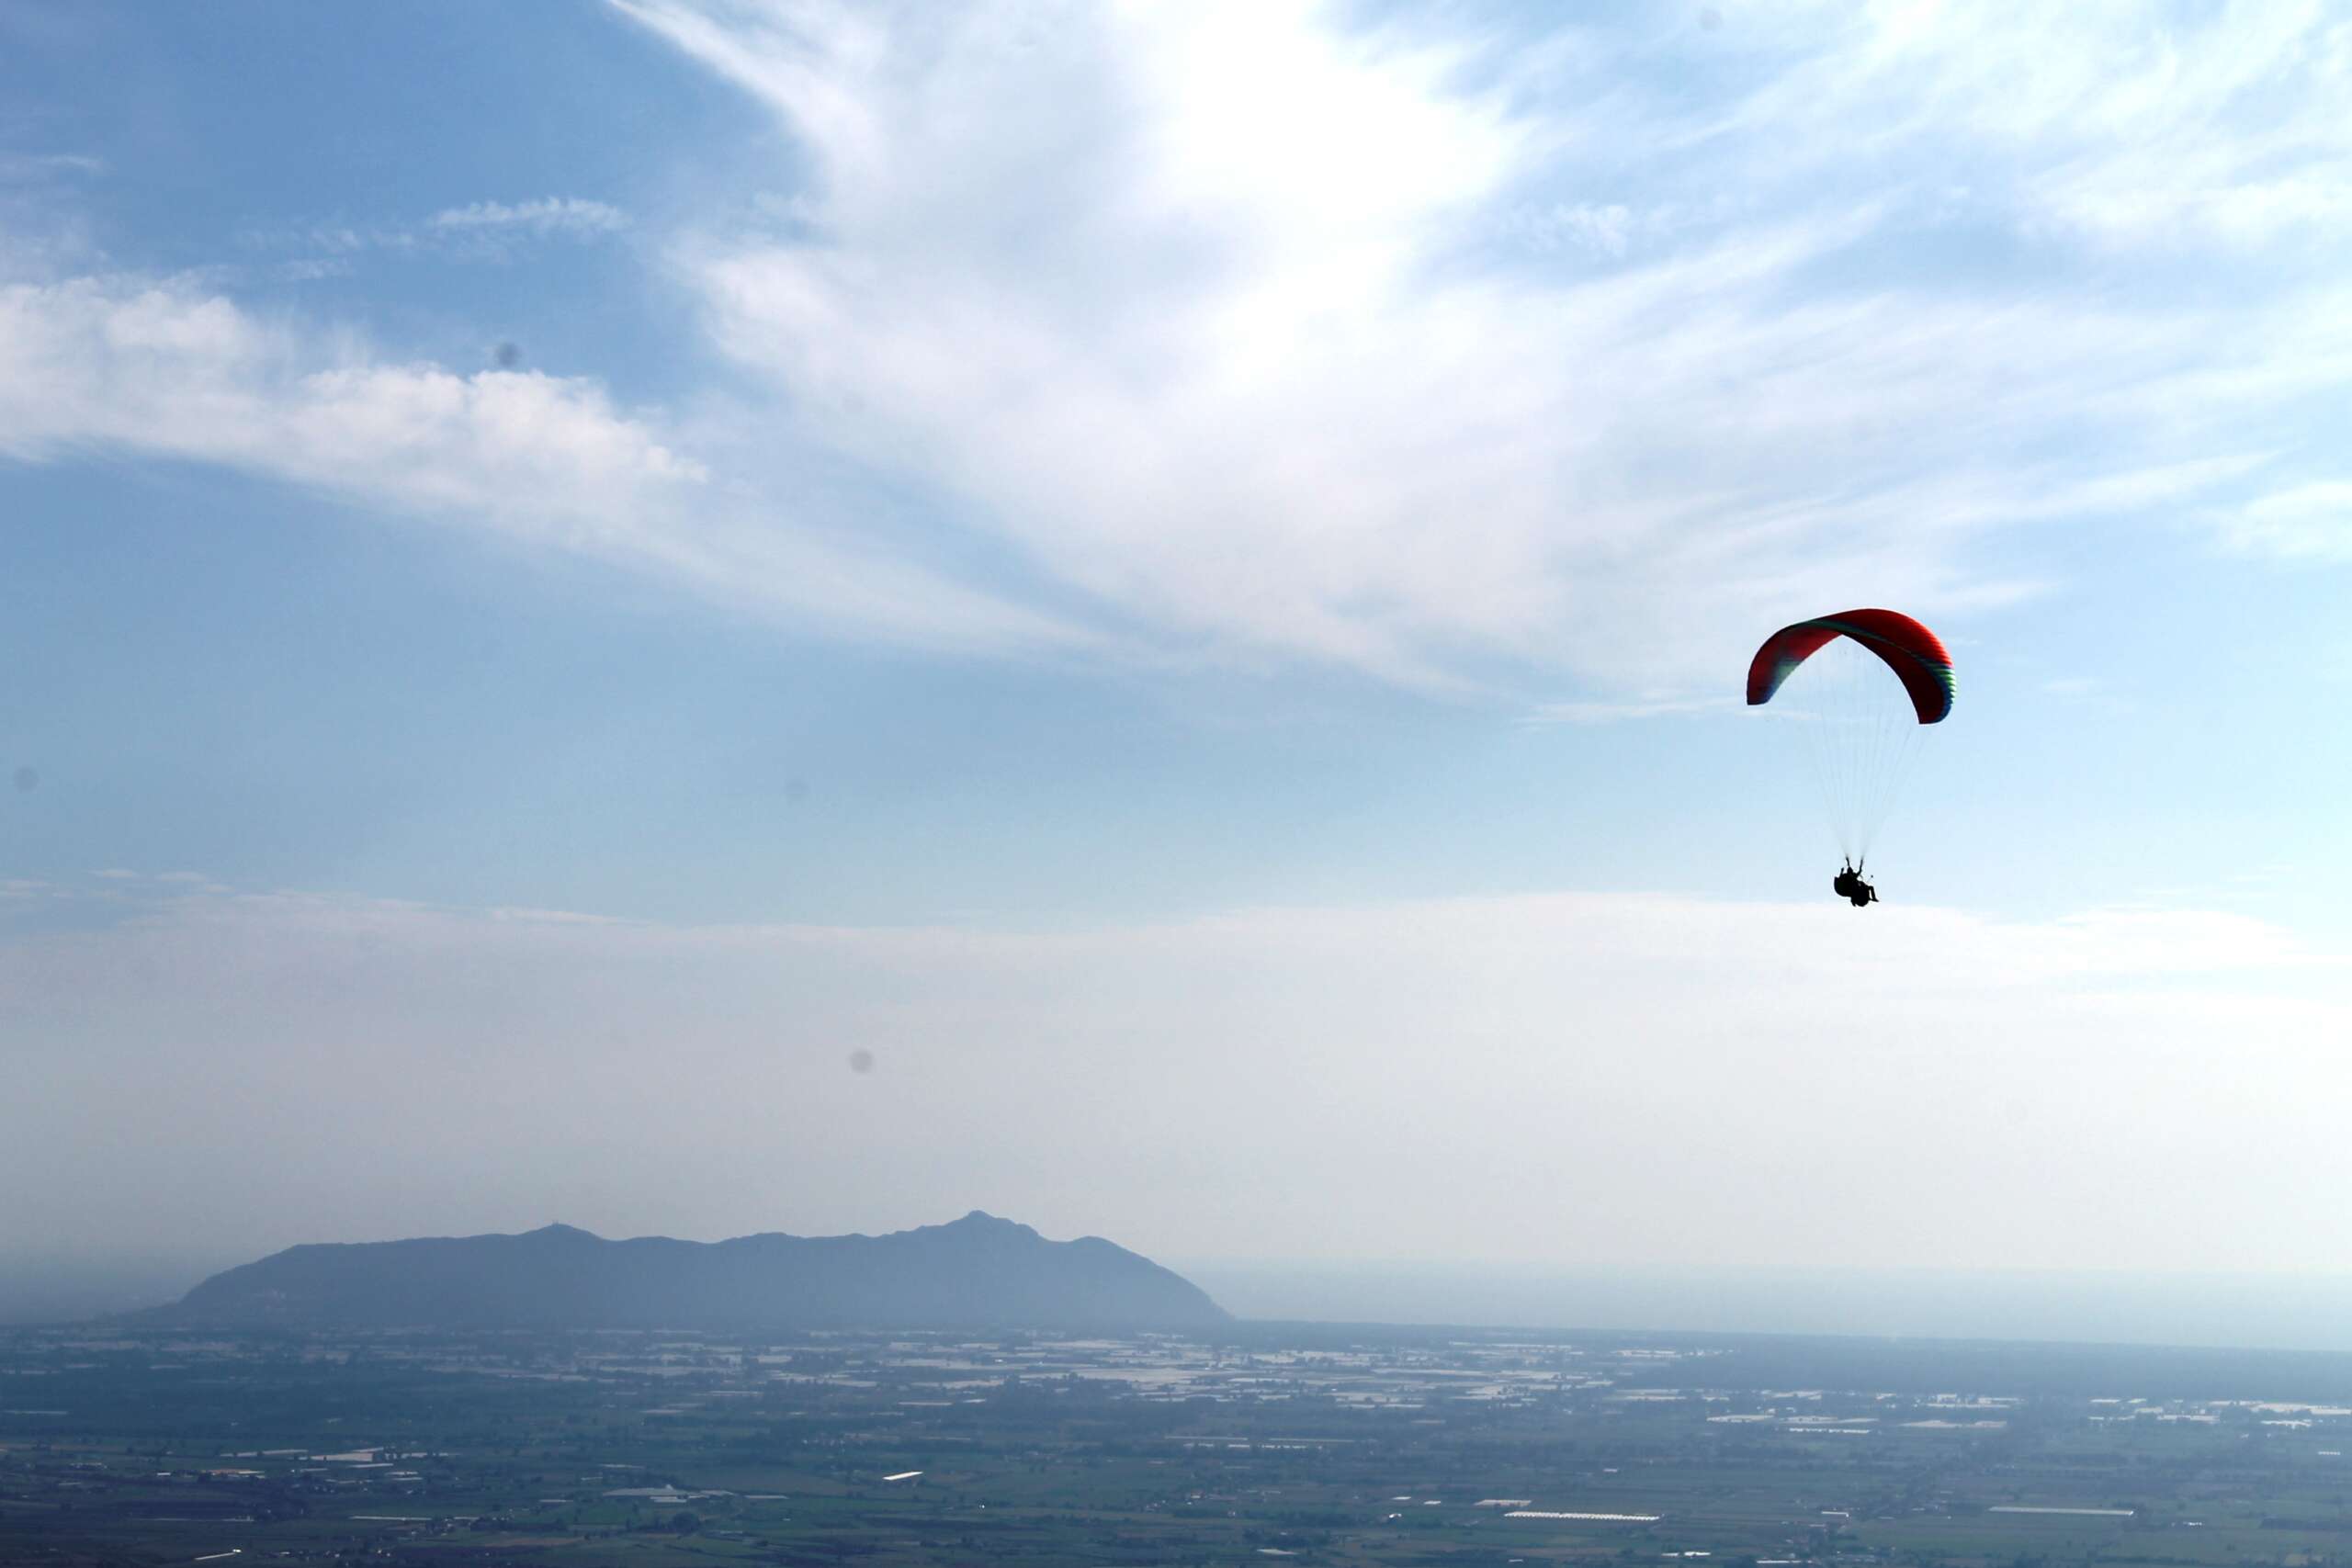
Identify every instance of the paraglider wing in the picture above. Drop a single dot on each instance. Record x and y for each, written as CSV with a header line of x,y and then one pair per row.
x,y
1917,656
1860,731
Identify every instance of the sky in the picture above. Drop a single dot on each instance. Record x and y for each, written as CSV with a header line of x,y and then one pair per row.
x,y
710,616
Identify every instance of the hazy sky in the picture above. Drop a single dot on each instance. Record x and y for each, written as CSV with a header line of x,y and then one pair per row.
x,y
1180,575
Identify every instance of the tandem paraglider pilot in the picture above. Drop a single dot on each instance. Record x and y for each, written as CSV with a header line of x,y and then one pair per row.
x,y
1860,729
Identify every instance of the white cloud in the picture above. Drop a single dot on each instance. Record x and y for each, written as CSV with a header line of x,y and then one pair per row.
x,y
1248,333
1202,308
168,368
1606,229
480,230
1598,1080
41,166
2307,521
1638,707
549,214
556,917
2132,124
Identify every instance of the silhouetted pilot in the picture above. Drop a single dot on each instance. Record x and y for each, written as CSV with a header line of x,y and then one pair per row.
x,y
1849,885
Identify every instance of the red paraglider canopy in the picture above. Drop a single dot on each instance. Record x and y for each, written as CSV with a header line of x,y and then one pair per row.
x,y
1917,656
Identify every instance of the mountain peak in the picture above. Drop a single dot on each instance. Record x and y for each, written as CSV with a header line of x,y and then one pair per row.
x,y
981,1220
979,1272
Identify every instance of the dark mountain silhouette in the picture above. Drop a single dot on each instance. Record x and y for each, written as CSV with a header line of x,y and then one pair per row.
x,y
979,1272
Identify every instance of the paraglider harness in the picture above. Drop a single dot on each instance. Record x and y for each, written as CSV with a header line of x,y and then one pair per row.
x,y
1849,885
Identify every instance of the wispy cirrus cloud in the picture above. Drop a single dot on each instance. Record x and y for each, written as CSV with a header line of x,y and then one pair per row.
x,y
550,215
480,230
1630,707
37,167
1421,352
2307,521
1462,350
169,367
2126,124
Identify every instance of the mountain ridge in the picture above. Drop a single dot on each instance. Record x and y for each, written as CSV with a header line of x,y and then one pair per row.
x,y
978,1271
